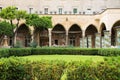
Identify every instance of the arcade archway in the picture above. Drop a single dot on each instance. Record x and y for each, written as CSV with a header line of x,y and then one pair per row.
x,y
58,35
23,35
91,31
75,33
113,33
41,36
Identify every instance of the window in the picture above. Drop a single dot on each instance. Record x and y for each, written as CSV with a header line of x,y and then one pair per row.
x,y
74,10
60,10
45,10
0,9
30,10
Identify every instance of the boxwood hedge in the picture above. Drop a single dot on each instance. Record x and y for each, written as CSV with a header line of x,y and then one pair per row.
x,y
59,51
14,68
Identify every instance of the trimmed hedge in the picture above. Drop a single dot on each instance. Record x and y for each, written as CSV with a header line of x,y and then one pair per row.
x,y
94,71
69,51
59,51
19,69
109,52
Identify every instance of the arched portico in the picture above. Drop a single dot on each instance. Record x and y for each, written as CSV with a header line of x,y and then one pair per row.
x,y
74,35
58,35
41,36
114,32
91,31
23,35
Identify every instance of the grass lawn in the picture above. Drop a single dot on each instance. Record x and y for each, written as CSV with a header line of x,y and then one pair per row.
x,y
67,58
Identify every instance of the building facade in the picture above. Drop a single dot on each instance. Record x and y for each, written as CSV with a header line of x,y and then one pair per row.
x,y
80,23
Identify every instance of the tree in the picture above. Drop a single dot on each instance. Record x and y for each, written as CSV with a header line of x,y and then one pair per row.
x,y
5,29
11,13
32,20
8,13
36,21
20,14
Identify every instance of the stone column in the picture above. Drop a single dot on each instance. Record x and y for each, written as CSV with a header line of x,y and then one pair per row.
x,y
107,39
85,42
81,42
118,37
97,40
89,37
32,36
102,42
66,43
50,39
83,39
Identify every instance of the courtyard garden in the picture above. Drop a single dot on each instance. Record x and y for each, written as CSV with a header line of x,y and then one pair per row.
x,y
28,62
51,63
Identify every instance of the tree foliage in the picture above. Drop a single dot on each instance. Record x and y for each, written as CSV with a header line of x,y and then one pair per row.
x,y
20,14
5,28
8,13
38,22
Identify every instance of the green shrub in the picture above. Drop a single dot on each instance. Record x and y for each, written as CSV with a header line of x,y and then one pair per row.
x,y
107,70
19,51
33,44
13,69
64,51
48,70
19,69
4,53
18,44
59,51
109,52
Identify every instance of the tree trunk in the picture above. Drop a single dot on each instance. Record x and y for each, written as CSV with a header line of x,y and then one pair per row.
x,y
12,34
1,39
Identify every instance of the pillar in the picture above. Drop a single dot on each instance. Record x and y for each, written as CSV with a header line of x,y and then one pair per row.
x,y
81,42
102,42
107,39
97,40
50,39
66,43
32,36
83,39
85,42
89,37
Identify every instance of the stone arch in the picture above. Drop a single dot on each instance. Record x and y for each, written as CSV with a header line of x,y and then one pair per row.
x,y
41,36
91,31
60,24
23,35
102,28
113,32
74,35
58,35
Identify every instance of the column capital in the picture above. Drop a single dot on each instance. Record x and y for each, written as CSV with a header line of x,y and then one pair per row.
x,y
49,29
